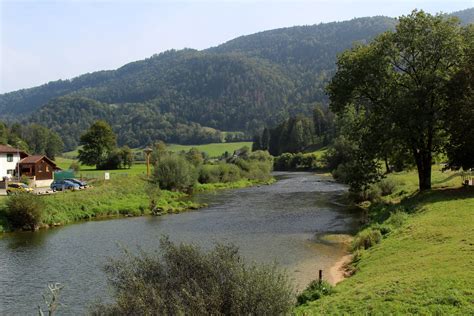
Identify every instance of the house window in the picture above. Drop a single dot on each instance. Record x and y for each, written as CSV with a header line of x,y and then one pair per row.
x,y
9,157
10,171
47,168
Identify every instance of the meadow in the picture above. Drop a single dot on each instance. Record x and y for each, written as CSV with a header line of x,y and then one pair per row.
x,y
423,264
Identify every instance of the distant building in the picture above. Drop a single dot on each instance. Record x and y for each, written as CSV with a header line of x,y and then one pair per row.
x,y
15,163
9,159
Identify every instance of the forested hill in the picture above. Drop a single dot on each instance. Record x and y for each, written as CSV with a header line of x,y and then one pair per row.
x,y
187,96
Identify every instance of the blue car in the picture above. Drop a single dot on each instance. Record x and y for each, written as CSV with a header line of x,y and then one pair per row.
x,y
59,185
82,184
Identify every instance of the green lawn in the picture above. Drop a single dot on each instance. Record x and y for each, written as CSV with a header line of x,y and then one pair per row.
x,y
423,267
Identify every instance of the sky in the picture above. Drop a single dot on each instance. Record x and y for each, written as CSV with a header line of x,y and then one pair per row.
x,y
43,41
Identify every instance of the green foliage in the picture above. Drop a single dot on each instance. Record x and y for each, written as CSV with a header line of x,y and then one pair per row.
x,y
460,148
298,161
24,211
195,157
75,166
390,81
97,144
173,172
387,186
182,279
314,291
367,238
293,135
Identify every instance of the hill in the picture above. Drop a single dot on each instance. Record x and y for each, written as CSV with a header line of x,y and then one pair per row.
x,y
189,96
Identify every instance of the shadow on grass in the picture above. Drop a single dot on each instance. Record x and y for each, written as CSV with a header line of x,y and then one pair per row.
x,y
457,174
378,213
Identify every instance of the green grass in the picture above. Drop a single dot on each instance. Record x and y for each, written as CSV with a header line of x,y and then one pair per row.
x,y
122,195
425,266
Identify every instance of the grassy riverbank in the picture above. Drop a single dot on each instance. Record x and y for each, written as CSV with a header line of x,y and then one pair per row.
x,y
121,196
423,264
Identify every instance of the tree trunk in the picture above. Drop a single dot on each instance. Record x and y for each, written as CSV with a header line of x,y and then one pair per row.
x,y
423,164
387,166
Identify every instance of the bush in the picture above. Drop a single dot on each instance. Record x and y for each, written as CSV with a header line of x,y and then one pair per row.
x,y
386,186
209,174
396,219
315,291
75,166
24,211
228,173
366,239
175,173
371,194
183,280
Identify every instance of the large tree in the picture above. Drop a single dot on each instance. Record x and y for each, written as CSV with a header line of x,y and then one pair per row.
x,y
97,143
401,81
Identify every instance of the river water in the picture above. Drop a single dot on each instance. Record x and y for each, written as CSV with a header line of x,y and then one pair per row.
x,y
279,223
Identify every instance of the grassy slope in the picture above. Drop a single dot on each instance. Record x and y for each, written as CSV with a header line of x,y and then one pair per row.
x,y
119,196
425,267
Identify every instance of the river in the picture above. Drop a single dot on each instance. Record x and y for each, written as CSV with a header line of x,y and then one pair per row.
x,y
278,223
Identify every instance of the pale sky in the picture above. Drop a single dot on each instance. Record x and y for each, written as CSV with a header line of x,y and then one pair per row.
x,y
44,41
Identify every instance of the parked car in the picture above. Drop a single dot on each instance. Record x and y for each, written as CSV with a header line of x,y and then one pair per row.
x,y
82,184
15,188
59,185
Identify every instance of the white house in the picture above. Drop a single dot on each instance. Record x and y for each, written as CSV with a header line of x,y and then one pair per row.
x,y
9,158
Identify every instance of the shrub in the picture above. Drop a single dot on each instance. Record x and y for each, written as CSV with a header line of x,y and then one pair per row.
x,y
366,239
372,194
175,173
228,172
209,174
24,211
283,162
183,280
315,291
386,186
396,219
75,166
25,180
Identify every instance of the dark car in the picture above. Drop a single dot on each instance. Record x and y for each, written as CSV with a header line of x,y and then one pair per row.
x,y
82,184
59,185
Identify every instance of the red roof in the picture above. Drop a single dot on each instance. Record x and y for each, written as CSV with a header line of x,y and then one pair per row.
x,y
9,149
36,158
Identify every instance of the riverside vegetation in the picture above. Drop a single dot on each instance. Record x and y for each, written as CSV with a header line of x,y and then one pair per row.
x,y
175,176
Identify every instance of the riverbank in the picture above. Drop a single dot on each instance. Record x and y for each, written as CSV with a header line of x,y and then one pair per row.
x,y
422,263
119,197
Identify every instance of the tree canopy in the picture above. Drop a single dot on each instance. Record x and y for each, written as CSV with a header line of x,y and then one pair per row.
x,y
97,144
400,82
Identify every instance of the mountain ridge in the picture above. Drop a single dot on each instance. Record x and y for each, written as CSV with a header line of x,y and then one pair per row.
x,y
241,85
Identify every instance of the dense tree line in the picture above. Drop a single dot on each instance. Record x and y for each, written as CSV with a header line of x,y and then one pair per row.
x,y
298,134
32,138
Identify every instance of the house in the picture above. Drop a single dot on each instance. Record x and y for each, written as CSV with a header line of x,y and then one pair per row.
x,y
15,163
9,159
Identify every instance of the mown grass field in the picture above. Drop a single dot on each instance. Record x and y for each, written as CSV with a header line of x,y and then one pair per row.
x,y
423,267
